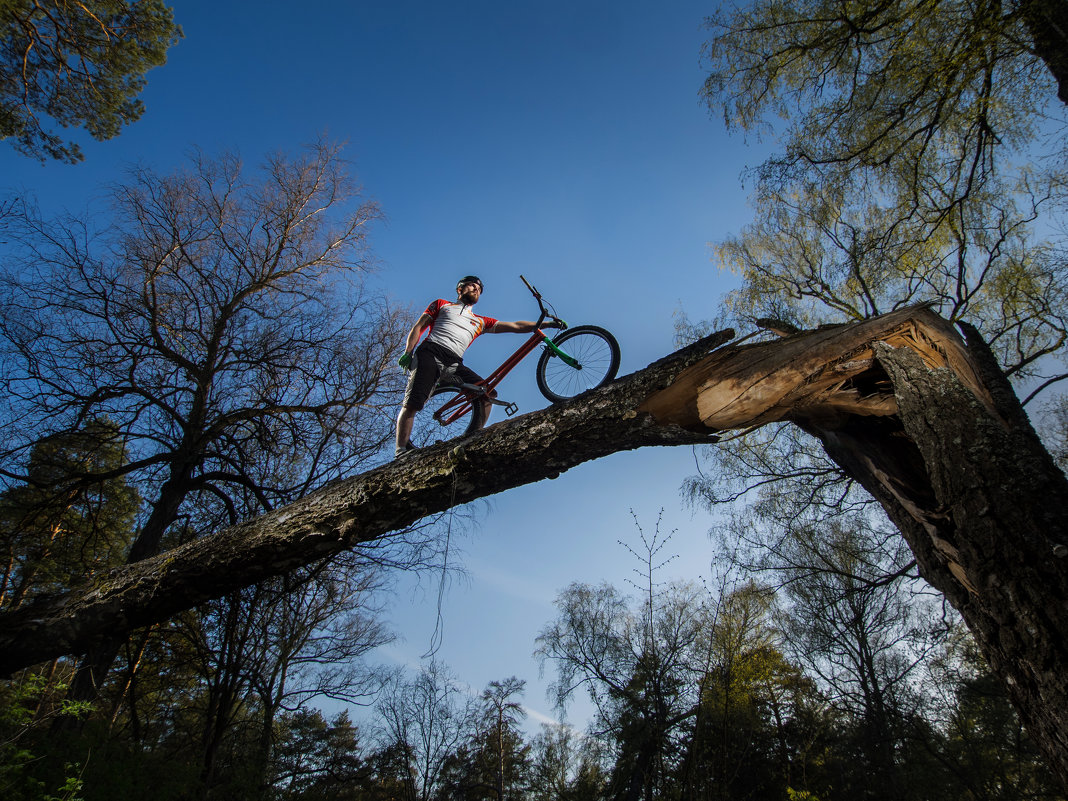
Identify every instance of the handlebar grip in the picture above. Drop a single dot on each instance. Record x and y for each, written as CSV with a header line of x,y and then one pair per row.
x,y
533,291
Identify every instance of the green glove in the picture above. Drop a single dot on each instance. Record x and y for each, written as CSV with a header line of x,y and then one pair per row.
x,y
405,361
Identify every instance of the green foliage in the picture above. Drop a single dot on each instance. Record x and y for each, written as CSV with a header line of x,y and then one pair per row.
x,y
758,712
914,163
315,758
477,769
879,85
81,64
913,167
58,528
217,383
760,729
28,771
693,693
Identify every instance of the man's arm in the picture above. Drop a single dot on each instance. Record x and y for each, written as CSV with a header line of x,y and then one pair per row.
x,y
417,331
520,326
405,360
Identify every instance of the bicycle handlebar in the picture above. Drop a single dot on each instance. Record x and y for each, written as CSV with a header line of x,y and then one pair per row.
x,y
541,305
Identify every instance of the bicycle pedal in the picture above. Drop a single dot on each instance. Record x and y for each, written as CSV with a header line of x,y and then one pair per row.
x,y
510,409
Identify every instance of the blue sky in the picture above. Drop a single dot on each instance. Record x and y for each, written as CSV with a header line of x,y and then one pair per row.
x,y
565,141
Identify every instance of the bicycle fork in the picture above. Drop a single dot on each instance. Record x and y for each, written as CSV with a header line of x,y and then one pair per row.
x,y
555,351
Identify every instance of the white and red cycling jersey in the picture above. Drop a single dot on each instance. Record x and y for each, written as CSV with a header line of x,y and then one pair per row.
x,y
454,325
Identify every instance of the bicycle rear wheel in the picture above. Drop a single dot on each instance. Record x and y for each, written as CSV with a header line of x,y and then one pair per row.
x,y
597,353
429,431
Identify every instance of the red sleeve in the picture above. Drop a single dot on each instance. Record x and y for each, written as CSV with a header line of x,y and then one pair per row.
x,y
487,323
435,307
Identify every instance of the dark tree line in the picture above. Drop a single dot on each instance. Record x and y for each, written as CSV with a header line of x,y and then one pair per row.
x,y
824,688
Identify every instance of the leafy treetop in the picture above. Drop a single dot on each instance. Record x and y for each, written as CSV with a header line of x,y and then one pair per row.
x,y
81,64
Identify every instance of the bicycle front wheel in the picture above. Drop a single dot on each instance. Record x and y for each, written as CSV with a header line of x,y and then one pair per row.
x,y
431,428
597,354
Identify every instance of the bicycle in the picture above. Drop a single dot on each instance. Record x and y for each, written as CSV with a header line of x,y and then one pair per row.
x,y
576,360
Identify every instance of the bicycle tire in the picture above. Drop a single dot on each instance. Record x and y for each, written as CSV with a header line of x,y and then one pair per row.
x,y
597,352
428,431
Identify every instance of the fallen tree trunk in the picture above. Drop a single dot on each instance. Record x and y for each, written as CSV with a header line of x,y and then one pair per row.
x,y
921,419
360,509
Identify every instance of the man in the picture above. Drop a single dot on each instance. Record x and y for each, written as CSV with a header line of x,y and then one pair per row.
x,y
453,327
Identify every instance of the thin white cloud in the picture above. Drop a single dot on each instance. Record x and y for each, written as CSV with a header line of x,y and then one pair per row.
x,y
541,717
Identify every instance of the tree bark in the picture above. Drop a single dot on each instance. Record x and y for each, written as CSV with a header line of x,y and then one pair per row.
x,y
1047,22
924,421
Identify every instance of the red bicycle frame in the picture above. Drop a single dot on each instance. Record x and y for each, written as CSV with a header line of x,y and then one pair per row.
x,y
471,393
464,401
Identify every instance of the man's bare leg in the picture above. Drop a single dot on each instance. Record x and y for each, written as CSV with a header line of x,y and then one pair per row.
x,y
404,428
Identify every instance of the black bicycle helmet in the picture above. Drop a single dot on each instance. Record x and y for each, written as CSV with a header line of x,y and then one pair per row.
x,y
471,279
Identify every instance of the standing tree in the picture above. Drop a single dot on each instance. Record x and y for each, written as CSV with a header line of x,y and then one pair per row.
x,y
271,649
500,719
752,724
565,765
318,759
692,693
50,540
866,641
970,729
426,720
641,664
218,324
913,168
80,63
311,634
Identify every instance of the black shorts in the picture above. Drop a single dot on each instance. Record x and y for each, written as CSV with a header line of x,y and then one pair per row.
x,y
433,365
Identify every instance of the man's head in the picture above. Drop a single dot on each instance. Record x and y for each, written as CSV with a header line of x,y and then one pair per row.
x,y
469,289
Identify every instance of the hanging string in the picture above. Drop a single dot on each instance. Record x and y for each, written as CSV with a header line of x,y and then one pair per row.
x,y
439,625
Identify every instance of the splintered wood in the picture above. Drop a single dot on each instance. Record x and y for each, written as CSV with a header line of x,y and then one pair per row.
x,y
820,375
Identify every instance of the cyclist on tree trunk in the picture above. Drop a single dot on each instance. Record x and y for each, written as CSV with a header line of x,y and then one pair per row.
x,y
453,327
